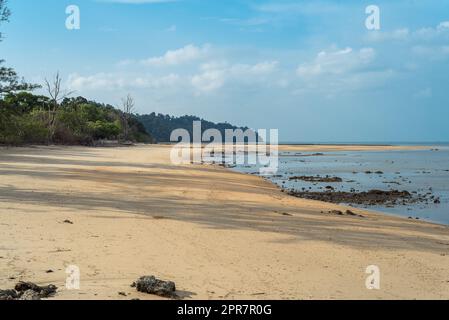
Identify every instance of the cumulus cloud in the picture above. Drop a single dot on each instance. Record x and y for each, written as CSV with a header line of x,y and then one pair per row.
x,y
214,75
186,54
336,62
431,52
209,80
398,34
443,26
439,32
113,81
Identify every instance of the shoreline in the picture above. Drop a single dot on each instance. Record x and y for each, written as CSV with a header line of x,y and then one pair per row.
x,y
349,207
217,233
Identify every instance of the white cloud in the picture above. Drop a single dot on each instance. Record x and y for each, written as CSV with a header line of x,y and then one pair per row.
x,y
441,31
176,57
125,63
443,26
431,52
262,68
209,80
398,34
113,81
337,72
215,75
336,62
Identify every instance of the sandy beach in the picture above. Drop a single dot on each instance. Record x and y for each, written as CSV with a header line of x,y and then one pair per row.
x,y
217,234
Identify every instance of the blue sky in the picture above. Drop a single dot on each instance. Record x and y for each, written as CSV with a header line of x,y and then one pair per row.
x,y
308,68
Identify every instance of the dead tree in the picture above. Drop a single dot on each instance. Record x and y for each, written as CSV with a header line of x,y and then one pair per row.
x,y
56,95
128,110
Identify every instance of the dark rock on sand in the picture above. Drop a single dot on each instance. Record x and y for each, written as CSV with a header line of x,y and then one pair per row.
x,y
43,292
151,285
317,179
8,295
29,295
28,291
372,197
348,213
336,212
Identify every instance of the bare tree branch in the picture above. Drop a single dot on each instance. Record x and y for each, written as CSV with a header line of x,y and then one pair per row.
x,y
128,110
56,94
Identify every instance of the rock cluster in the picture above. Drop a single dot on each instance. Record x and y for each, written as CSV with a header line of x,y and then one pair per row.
x,y
28,291
151,285
372,197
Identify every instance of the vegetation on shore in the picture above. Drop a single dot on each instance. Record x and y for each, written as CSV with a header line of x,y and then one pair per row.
x,y
29,118
57,118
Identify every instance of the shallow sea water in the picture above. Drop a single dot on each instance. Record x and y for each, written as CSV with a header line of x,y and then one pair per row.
x,y
421,171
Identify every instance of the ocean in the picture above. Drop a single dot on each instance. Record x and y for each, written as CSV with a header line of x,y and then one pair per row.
x,y
415,171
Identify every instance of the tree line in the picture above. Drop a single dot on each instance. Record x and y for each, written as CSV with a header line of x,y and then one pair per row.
x,y
160,126
57,118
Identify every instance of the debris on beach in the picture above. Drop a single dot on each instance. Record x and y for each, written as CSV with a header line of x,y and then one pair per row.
x,y
347,213
284,214
317,179
28,291
151,285
68,222
336,212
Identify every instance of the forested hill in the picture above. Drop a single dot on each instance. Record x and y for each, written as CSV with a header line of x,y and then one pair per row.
x,y
33,119
160,126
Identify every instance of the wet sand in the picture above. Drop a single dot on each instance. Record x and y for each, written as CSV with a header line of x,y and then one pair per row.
x,y
218,234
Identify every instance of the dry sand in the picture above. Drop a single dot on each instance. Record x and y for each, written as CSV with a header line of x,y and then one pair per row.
x,y
216,233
